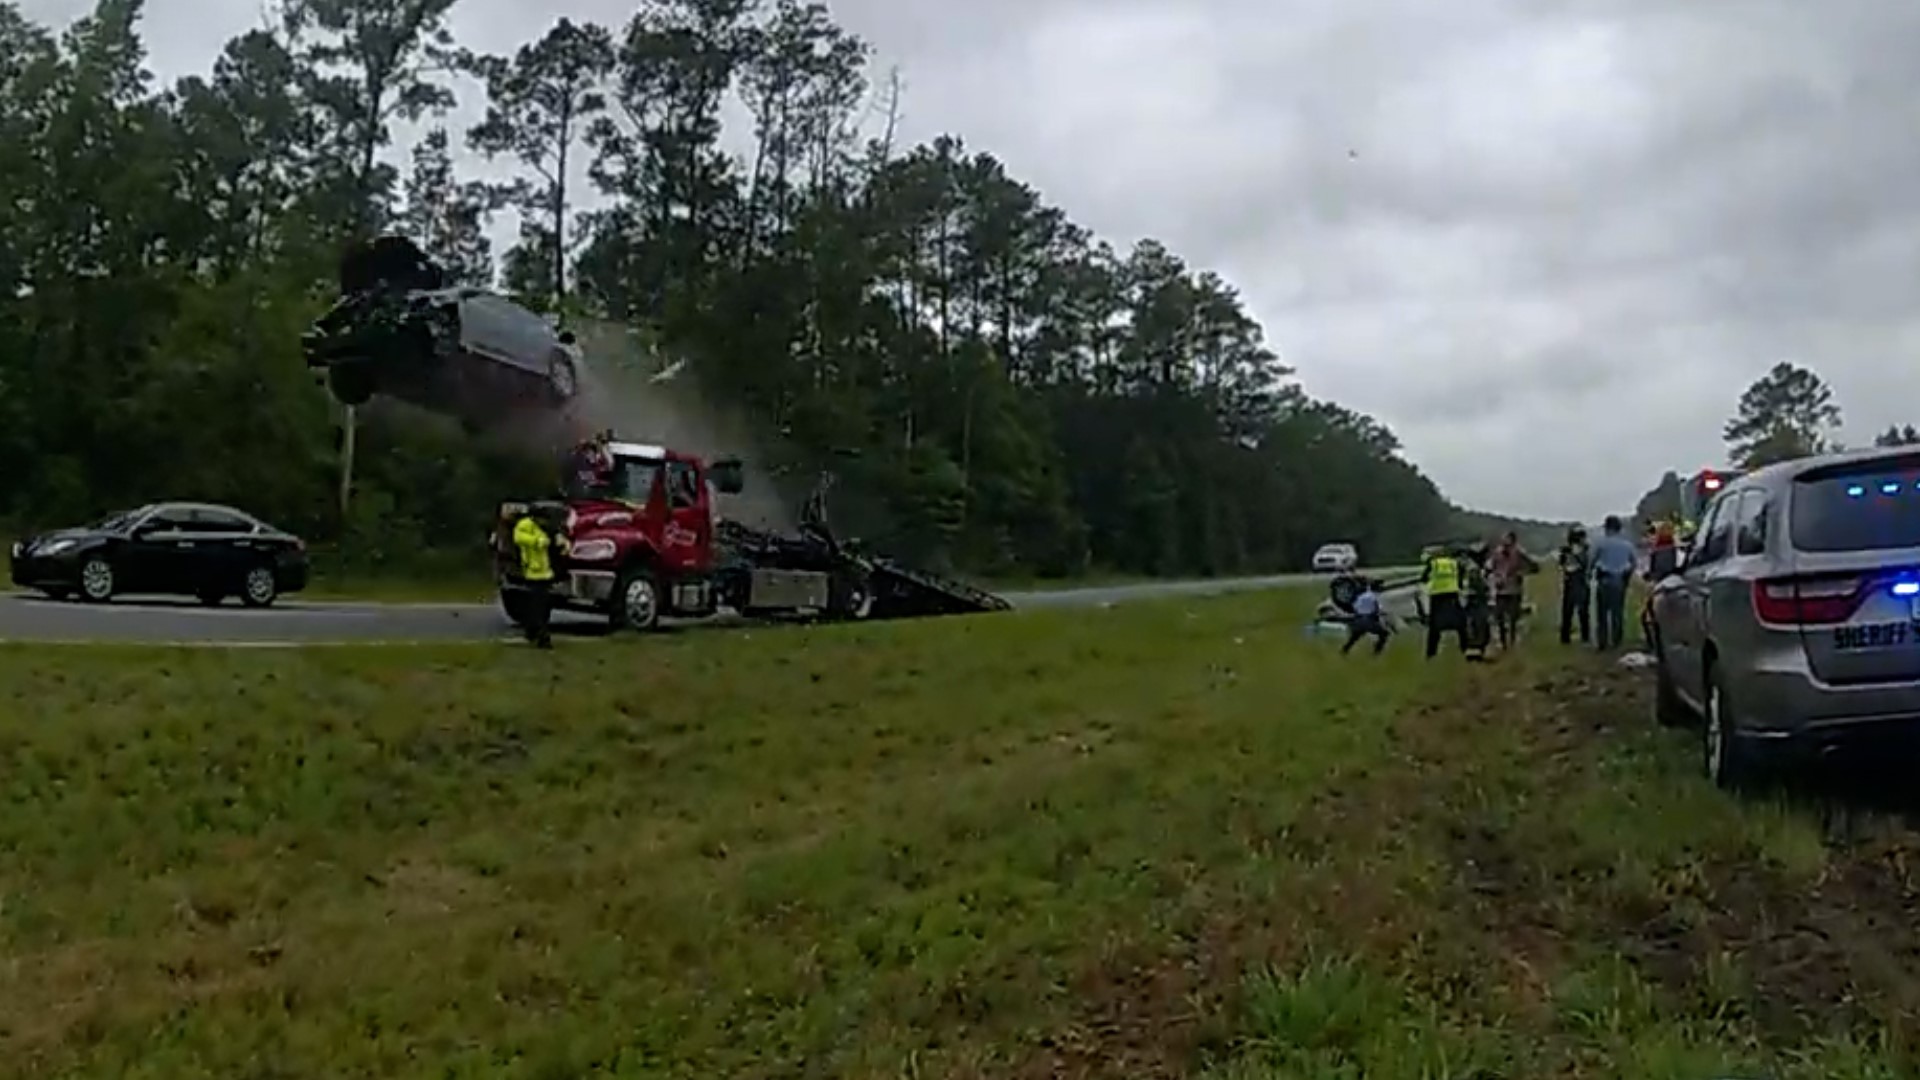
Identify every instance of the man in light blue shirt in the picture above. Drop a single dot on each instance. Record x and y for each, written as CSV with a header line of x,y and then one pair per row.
x,y
1614,558
1367,620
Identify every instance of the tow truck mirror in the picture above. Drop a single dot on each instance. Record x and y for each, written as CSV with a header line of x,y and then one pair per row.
x,y
728,475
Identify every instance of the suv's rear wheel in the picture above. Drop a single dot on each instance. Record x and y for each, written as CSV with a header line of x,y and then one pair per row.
x,y
1727,755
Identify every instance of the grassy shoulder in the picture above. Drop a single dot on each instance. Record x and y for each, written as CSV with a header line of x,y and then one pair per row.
x,y
1153,840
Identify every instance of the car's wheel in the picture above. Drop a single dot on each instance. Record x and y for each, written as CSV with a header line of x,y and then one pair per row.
x,y
513,603
259,589
96,580
56,594
1668,708
563,377
635,601
352,385
1727,757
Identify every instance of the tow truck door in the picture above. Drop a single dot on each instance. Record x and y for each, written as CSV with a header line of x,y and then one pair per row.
x,y
686,542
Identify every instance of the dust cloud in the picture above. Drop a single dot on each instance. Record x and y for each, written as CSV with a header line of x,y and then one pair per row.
x,y
643,396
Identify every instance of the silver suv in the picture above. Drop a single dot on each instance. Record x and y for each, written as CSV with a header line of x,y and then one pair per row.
x,y
1793,623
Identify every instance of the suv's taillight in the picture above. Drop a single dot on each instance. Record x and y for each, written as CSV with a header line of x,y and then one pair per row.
x,y
1806,601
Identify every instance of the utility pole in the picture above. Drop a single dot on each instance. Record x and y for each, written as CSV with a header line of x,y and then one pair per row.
x,y
347,430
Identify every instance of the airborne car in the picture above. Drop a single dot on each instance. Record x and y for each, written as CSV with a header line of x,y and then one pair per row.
x,y
400,328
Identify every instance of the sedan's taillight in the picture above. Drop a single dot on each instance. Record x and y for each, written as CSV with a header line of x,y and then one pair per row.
x,y
1807,601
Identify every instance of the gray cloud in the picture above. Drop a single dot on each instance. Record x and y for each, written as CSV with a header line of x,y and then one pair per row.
x,y
1549,243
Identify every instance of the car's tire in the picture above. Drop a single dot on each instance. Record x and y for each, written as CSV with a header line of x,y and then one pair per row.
x,y
635,603
351,385
97,584
258,588
1728,758
513,604
563,376
57,594
1669,710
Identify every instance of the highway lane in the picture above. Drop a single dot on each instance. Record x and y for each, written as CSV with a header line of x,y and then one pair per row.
x,y
31,618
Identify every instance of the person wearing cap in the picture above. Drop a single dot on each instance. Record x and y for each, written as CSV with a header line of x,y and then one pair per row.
x,y
1576,586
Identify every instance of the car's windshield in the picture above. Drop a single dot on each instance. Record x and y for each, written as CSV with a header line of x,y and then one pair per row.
x,y
117,520
1860,511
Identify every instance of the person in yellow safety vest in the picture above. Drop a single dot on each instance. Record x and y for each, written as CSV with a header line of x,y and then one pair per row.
x,y
537,549
1442,576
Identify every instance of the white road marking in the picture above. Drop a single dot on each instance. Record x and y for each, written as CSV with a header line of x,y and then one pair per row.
x,y
142,643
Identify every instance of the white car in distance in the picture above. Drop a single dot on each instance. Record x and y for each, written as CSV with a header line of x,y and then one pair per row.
x,y
1336,557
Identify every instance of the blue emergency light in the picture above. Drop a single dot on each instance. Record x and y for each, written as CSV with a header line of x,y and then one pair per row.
x,y
1906,588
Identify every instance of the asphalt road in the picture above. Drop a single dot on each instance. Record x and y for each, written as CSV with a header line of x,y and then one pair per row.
x,y
31,618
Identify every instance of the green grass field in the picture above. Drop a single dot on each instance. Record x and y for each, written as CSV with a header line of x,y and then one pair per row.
x,y
1159,840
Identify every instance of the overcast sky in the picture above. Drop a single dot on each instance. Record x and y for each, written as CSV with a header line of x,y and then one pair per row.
x,y
1547,241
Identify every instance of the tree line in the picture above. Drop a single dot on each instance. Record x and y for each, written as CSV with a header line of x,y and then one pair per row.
x,y
1787,413
1021,395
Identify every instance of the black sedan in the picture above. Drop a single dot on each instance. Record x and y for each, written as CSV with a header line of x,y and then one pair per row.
x,y
402,329
181,549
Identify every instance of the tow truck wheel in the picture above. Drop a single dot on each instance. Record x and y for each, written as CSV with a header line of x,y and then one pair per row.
x,y
636,602
852,597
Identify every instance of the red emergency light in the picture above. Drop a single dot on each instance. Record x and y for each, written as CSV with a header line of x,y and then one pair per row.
x,y
1710,482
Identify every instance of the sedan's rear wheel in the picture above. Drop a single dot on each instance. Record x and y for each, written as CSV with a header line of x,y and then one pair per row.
x,y
96,580
259,589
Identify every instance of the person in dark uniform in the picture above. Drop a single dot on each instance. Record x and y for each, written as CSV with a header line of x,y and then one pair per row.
x,y
1476,592
1576,587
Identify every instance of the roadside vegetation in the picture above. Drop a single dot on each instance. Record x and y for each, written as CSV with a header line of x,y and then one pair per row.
x,y
1165,839
1027,399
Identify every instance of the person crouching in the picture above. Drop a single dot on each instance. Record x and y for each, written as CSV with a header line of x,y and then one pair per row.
x,y
1367,620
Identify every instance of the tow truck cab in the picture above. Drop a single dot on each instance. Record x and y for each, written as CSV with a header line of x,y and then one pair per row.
x,y
1699,490
642,545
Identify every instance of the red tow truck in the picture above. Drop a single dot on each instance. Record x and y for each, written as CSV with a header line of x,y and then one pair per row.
x,y
648,543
